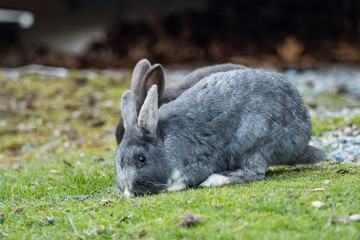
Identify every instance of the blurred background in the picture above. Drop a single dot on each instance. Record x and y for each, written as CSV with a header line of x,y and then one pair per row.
x,y
116,34
64,65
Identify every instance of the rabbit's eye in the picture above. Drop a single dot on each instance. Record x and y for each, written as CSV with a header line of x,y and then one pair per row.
x,y
141,159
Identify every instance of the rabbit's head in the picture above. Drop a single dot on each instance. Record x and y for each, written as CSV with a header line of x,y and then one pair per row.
x,y
140,162
144,76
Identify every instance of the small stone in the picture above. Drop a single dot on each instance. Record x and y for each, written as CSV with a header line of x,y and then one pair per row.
x,y
327,181
348,131
341,89
354,217
339,159
49,219
317,204
309,84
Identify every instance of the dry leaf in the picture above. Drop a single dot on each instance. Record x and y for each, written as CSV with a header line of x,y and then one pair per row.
x,y
95,230
96,123
188,219
339,219
16,167
106,201
124,218
2,234
14,146
344,219
99,159
317,204
316,189
18,210
142,233
342,171
67,163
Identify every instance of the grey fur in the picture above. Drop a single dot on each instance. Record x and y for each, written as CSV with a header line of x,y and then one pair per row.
x,y
128,109
227,128
145,75
148,116
138,74
174,90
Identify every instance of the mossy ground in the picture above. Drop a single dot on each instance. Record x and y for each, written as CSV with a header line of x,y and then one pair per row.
x,y
56,168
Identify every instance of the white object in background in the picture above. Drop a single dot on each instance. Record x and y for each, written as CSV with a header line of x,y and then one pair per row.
x,y
25,19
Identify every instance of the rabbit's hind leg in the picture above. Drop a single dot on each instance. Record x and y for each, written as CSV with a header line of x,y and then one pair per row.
x,y
254,169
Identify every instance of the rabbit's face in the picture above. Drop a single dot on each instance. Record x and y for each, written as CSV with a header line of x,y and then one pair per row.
x,y
141,167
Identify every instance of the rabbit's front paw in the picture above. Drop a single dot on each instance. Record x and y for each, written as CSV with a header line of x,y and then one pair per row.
x,y
176,187
216,180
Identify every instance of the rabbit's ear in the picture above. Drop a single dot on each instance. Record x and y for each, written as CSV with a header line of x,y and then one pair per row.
x,y
153,76
148,116
138,75
128,109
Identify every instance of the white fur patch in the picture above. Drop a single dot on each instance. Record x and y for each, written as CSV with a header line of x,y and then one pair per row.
x,y
176,181
177,186
215,180
175,176
127,194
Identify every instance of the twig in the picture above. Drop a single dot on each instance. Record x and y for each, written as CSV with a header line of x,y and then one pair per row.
x,y
76,232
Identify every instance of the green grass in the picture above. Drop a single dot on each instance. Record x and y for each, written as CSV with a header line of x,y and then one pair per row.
x,y
322,124
277,208
56,158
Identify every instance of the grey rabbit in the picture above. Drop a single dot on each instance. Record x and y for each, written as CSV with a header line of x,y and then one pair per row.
x,y
145,75
227,128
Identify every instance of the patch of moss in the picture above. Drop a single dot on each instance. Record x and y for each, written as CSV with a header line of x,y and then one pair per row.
x,y
330,100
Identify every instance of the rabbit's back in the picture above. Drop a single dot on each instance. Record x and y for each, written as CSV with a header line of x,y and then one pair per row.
x,y
174,90
231,115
